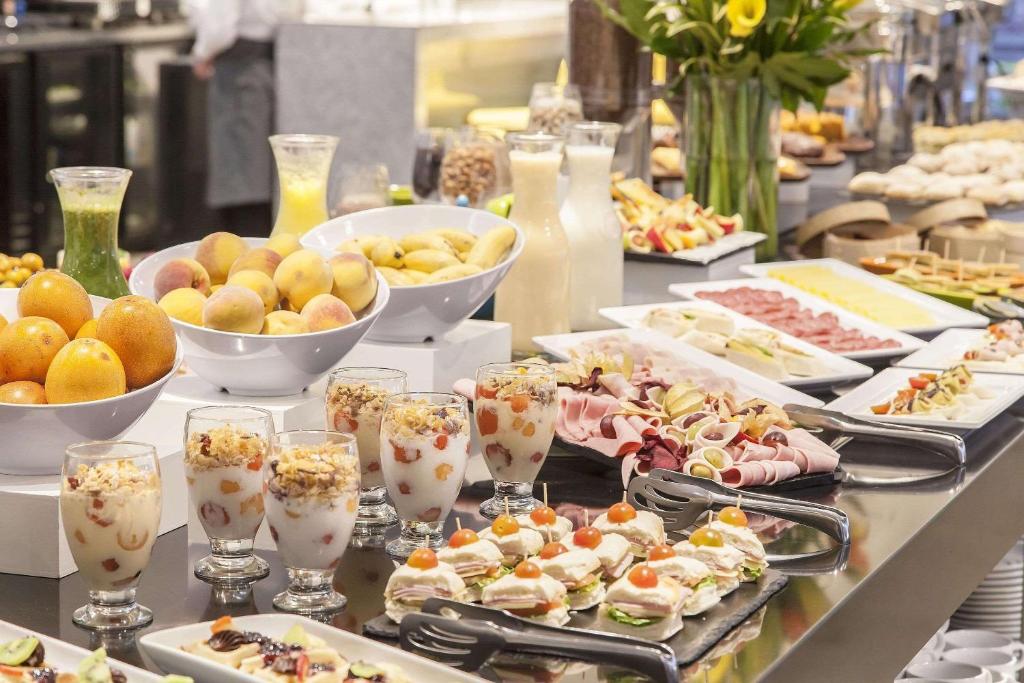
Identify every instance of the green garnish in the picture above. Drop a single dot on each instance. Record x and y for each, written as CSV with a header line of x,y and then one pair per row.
x,y
618,615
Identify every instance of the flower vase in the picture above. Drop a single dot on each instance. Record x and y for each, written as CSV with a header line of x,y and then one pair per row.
x,y
731,142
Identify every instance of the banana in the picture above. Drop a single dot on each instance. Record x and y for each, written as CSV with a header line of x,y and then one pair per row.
x,y
395,278
418,277
423,240
462,240
387,253
363,244
429,260
453,273
490,249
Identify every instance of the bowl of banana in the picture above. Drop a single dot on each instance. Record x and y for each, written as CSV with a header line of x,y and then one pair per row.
x,y
442,262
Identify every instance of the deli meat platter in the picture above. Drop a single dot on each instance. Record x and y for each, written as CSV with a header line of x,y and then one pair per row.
x,y
804,316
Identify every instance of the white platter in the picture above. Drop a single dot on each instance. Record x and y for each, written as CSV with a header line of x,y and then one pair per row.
x,y
66,657
749,384
948,349
1005,389
705,254
907,343
836,368
944,314
165,649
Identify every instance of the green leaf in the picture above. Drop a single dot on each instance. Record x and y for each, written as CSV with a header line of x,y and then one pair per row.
x,y
618,615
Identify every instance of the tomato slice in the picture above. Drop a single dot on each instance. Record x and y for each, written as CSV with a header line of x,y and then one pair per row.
x,y
919,382
881,408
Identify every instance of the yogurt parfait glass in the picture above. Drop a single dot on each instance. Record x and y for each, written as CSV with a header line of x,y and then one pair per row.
x,y
516,407
355,405
311,494
225,447
424,448
110,507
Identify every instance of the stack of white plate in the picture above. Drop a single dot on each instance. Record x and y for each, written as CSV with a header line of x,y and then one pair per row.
x,y
996,604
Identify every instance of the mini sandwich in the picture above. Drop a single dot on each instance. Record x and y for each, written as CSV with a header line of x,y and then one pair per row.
x,y
612,550
546,522
708,546
641,528
476,561
421,577
643,605
529,593
579,570
515,543
690,573
732,525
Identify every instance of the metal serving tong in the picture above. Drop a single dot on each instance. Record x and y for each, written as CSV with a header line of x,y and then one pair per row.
x,y
465,636
838,429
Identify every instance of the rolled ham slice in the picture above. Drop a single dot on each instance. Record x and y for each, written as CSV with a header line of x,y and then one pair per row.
x,y
717,434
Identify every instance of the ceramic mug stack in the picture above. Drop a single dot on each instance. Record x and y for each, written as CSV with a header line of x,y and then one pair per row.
x,y
996,604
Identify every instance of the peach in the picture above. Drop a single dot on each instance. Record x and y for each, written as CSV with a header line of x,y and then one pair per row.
x,y
234,309
184,304
217,252
284,322
284,244
326,312
355,281
261,284
301,276
178,274
262,259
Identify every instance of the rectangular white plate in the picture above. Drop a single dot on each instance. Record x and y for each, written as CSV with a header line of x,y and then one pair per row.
x,y
707,253
944,313
749,383
907,343
948,350
66,657
165,649
836,368
1006,389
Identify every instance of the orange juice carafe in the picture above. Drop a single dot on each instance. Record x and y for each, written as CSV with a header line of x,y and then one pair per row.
x,y
303,167
534,296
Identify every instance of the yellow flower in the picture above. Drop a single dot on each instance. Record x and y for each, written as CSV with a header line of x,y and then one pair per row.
x,y
744,16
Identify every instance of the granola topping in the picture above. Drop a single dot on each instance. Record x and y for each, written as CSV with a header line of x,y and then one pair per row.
x,y
540,388
422,418
121,477
324,472
353,400
224,446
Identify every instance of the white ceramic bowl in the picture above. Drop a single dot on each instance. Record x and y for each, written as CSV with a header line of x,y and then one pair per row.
x,y
254,364
421,312
34,437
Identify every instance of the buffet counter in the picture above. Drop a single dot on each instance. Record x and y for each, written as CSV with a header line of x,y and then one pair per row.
x,y
917,552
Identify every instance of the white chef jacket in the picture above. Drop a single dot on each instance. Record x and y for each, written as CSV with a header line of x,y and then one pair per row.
x,y
219,23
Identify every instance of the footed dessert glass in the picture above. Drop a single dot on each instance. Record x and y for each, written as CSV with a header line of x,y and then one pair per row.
x,y
312,499
424,449
355,405
515,411
110,506
225,447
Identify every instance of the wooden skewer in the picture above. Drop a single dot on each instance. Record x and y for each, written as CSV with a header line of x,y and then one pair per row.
x,y
623,496
506,507
945,251
981,254
458,523
545,485
586,517
739,501
960,270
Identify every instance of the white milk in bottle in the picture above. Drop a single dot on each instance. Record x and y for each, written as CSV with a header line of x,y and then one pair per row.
x,y
534,296
591,226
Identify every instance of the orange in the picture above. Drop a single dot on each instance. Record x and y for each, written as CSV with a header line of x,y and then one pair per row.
x,y
28,345
84,370
141,335
54,295
87,330
22,392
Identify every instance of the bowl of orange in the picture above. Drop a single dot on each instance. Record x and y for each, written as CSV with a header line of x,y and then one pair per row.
x,y
75,367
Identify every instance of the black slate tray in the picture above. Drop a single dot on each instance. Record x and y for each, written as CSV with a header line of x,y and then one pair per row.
x,y
699,634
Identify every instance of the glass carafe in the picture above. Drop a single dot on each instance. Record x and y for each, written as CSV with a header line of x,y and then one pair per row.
x,y
303,167
534,297
591,225
90,198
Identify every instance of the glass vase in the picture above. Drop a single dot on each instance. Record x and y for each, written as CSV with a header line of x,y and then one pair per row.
x,y
731,141
90,199
303,168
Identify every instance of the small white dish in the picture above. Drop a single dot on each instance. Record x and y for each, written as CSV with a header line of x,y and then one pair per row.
x,y
1005,390
947,350
950,672
164,647
256,364
421,312
66,657
35,436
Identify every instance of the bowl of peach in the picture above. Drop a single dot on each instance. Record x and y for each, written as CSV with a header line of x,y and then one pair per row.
x,y
262,317
74,368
